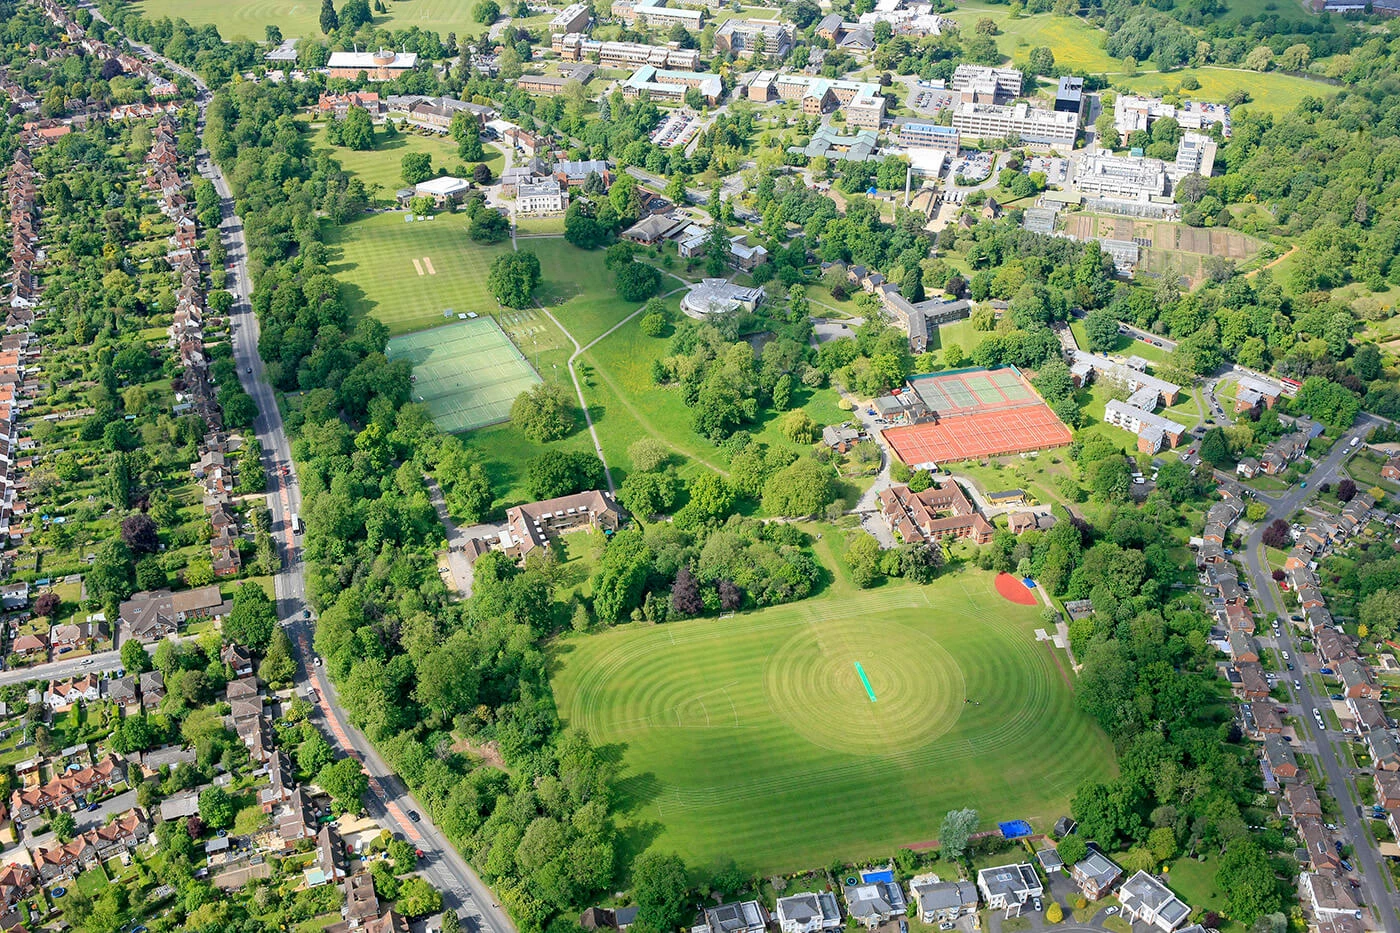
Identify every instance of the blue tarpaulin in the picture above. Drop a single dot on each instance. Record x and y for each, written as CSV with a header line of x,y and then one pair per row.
x,y
1030,584
1015,829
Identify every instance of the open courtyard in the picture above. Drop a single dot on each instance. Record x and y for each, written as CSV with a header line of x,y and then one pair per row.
x,y
850,723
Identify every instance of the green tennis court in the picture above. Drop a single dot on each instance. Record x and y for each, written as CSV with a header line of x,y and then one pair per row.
x,y
468,373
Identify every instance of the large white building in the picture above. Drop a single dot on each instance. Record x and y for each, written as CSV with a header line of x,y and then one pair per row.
x,y
862,102
989,85
656,13
573,18
1035,127
665,84
1132,113
1195,153
575,46
1129,178
544,196
717,296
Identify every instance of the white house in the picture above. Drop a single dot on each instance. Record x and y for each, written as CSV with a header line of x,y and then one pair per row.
x,y
1147,900
1005,886
941,901
809,913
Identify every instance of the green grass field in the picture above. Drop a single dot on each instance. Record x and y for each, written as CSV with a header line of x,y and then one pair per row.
x,y
1076,44
382,166
468,372
301,18
1269,92
753,737
374,259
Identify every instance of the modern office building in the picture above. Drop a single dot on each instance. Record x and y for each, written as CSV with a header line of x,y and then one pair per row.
x,y
1032,125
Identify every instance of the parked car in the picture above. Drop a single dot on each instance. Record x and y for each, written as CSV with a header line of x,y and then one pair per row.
x,y
413,815
1037,904
1297,684
1324,670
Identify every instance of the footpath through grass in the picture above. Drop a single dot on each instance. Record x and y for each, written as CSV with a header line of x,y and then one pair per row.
x,y
731,732
248,19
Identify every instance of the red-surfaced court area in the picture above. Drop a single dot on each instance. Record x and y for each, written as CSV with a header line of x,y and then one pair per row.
x,y
977,434
1013,589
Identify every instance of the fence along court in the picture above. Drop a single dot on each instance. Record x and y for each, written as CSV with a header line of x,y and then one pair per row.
x,y
468,373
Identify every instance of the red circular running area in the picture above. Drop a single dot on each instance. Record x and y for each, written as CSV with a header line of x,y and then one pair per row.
x,y
1013,589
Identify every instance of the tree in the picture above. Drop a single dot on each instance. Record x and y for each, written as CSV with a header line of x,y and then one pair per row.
x,y
1215,448
956,832
1041,61
64,826
450,923
514,277
47,604
489,226
216,808
717,252
648,454
330,22
1246,877
112,574
863,558
1054,381
278,666
135,659
417,898
487,12
416,167
1072,850
481,173
557,473
357,130
652,325
581,226
545,412
1102,329
637,281
345,781
1278,535
1380,612
803,487
1054,913
1346,490
660,888
253,619
139,533
685,594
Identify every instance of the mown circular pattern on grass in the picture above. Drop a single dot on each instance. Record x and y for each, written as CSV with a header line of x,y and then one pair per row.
x,y
812,685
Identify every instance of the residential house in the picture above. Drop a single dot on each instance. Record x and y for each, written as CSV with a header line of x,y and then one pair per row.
x,y
297,820
1387,789
281,780
1318,845
62,790
63,694
1279,757
1147,900
241,689
1095,875
1391,469
1006,886
29,646
1253,685
16,883
808,913
1385,751
872,903
361,904
14,595
330,854
238,660
1327,894
1242,647
1266,718
531,525
123,693
79,635
1369,713
1300,801
1356,680
1333,646
942,901
745,917
167,756
179,805
152,684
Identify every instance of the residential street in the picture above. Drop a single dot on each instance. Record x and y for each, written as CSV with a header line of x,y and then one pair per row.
x,y
1375,888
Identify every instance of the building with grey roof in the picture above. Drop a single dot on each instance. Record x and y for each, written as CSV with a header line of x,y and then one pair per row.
x,y
828,141
1096,874
1007,886
1147,900
745,917
808,913
717,296
941,901
871,903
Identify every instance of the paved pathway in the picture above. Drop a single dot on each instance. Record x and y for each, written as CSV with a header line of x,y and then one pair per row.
x,y
457,562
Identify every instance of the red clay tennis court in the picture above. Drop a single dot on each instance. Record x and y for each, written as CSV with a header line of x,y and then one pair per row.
x,y
975,414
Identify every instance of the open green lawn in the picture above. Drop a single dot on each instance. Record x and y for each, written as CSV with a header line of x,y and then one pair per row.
x,y
1076,44
374,256
382,166
301,18
1269,92
754,738
959,333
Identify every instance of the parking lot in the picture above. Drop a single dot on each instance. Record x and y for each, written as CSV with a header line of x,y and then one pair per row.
x,y
1056,170
930,100
973,166
678,129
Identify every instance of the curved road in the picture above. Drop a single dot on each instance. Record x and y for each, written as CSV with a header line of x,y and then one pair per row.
x,y
389,802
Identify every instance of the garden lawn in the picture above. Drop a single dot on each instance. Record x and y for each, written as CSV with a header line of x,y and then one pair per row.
x,y
301,18
374,256
1077,45
1194,883
730,732
961,333
383,165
